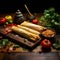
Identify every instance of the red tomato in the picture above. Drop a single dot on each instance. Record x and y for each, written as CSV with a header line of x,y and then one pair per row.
x,y
2,20
46,43
35,21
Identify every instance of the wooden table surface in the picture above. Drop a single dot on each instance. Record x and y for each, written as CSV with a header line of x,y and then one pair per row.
x,y
30,56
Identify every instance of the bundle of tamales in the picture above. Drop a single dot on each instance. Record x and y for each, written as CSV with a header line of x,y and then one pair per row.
x,y
28,30
26,33
33,26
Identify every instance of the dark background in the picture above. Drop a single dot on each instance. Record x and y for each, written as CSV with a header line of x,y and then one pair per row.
x,y
9,6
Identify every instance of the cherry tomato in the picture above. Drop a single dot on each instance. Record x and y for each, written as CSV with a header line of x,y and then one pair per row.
x,y
2,20
35,21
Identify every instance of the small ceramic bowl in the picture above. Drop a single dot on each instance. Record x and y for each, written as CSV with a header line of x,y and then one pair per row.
x,y
49,34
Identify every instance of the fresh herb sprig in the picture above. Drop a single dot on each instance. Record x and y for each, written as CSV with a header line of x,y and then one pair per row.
x,y
4,42
57,45
51,18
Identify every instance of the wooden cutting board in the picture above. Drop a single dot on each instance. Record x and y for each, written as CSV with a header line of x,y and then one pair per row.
x,y
20,40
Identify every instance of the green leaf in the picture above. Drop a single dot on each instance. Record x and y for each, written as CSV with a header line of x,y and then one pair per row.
x,y
58,46
52,20
47,16
42,18
5,42
10,21
46,12
55,23
16,46
6,23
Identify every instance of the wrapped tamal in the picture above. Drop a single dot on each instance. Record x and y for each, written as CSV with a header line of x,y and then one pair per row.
x,y
33,26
